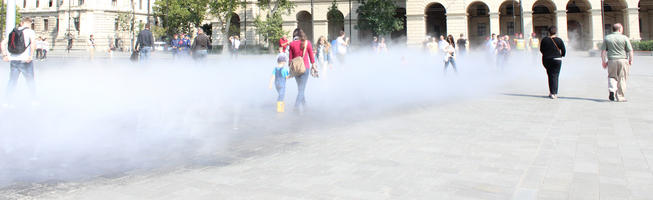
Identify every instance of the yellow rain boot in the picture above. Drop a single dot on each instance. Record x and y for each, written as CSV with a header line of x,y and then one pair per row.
x,y
280,106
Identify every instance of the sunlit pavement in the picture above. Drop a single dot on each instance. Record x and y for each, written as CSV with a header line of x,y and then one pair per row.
x,y
515,144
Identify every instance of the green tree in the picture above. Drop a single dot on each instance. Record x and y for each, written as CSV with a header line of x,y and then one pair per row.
x,y
271,27
378,16
223,11
334,15
180,15
3,16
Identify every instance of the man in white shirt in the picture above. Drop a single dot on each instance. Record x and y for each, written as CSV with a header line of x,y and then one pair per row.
x,y
21,62
343,43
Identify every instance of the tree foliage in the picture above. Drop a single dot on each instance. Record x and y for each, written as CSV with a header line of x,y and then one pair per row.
x,y
3,16
271,27
180,15
378,16
334,15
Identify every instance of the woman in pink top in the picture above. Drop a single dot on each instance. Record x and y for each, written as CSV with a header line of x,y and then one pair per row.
x,y
296,50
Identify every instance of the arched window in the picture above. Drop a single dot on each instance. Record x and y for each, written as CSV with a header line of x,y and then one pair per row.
x,y
541,9
480,10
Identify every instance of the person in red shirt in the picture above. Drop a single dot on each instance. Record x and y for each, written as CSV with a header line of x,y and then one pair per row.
x,y
283,44
297,50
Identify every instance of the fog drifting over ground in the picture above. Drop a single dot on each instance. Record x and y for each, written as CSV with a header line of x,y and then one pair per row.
x,y
111,116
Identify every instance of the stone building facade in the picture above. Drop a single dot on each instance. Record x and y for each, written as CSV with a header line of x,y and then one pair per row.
x,y
582,22
53,19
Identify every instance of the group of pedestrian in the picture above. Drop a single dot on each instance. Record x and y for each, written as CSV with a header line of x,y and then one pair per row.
x,y
299,50
42,48
379,45
180,46
234,46
616,56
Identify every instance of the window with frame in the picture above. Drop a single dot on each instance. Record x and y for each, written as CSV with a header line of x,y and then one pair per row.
x,y
24,4
140,4
510,10
480,10
81,2
46,24
481,29
114,2
117,24
37,3
50,3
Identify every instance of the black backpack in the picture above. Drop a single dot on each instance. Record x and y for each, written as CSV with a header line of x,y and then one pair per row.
x,y
17,42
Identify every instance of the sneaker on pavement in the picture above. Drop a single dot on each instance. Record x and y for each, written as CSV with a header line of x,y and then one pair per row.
x,y
611,97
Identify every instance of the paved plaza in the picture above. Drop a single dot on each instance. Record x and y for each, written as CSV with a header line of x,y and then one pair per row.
x,y
513,143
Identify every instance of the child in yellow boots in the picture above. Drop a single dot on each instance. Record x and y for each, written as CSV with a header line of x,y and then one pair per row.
x,y
279,76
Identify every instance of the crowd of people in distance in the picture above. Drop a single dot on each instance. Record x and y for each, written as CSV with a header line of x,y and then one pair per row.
x,y
300,59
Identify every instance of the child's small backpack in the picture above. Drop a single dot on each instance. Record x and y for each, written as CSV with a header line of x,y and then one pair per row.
x,y
16,44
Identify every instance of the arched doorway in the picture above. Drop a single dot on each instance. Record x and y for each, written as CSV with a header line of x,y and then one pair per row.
x,y
234,25
436,20
646,19
336,23
613,12
305,22
399,36
478,23
578,13
510,18
543,17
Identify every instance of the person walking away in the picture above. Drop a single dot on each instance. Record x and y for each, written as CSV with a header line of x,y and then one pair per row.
x,y
617,56
19,49
185,46
383,48
533,46
503,51
279,77
44,48
462,44
297,48
491,48
442,43
433,46
235,46
283,43
552,49
200,45
343,44
39,48
91,47
144,43
450,54
69,37
174,46
520,43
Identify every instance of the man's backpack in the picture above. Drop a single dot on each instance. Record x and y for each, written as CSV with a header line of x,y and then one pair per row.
x,y
16,44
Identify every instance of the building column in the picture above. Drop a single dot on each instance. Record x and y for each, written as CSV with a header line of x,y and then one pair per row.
x,y
457,24
597,28
494,23
562,24
528,23
631,16
415,30
645,27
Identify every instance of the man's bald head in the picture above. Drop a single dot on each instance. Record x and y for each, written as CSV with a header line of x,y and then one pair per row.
x,y
618,28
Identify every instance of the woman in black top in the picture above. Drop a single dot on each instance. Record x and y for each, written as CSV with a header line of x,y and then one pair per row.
x,y
552,49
